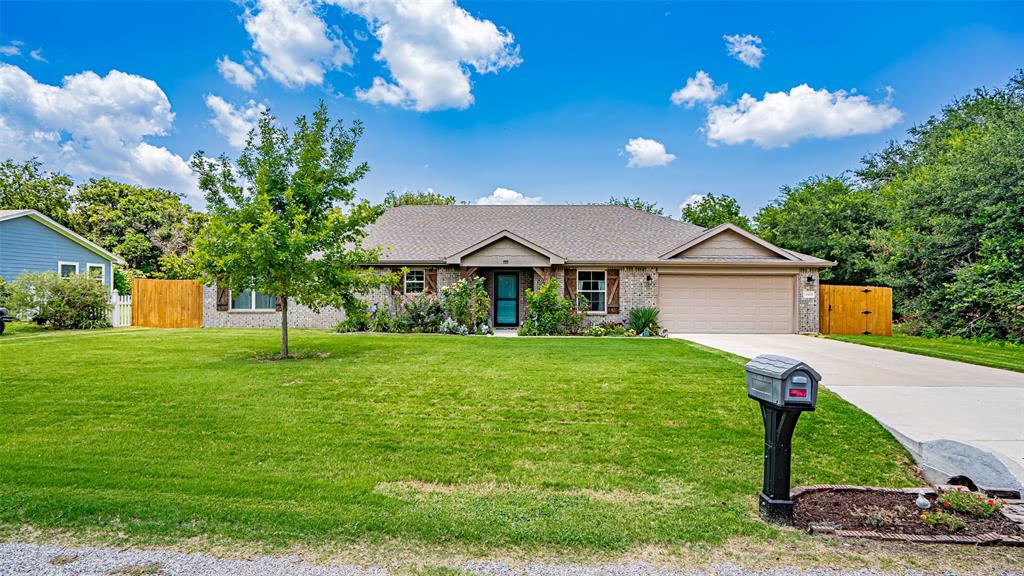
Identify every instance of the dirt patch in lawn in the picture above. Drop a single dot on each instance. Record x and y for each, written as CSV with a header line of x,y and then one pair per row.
x,y
887,512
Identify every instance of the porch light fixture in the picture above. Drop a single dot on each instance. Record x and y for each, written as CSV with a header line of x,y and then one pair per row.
x,y
649,280
810,279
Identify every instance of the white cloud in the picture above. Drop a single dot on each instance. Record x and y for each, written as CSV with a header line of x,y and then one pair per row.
x,y
700,88
693,199
430,49
37,55
92,126
781,118
12,49
645,153
236,73
505,197
231,122
295,44
746,48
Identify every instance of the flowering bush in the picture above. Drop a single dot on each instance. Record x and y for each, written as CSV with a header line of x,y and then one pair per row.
x,y
967,502
941,519
466,303
421,313
548,313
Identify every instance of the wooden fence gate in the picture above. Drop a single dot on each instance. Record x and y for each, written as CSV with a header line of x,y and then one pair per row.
x,y
167,303
855,310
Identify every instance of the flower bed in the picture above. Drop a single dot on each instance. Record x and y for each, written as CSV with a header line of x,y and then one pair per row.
x,y
892,514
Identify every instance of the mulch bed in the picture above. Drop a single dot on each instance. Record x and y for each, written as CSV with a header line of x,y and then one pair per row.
x,y
891,514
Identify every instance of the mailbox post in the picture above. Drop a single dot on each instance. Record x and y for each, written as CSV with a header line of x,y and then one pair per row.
x,y
784,387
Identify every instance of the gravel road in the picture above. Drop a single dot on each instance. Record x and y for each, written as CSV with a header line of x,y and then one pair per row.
x,y
46,560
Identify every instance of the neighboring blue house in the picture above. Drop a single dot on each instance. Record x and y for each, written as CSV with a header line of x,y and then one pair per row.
x,y
31,242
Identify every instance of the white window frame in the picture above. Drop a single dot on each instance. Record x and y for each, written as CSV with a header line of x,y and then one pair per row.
x,y
604,291
61,264
252,304
103,271
405,282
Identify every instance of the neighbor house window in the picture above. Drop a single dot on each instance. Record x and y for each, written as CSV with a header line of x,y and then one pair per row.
x,y
95,271
414,281
591,285
67,269
252,300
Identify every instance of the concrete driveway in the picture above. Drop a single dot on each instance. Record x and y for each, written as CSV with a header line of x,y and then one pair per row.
x,y
922,400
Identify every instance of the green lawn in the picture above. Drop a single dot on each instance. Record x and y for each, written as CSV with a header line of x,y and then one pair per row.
x,y
995,354
596,444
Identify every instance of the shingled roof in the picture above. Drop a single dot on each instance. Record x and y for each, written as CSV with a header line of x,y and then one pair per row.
x,y
577,233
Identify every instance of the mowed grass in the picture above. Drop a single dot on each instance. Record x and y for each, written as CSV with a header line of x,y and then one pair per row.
x,y
1003,355
165,435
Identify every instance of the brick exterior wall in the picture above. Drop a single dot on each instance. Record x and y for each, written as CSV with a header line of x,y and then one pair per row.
x,y
808,309
298,316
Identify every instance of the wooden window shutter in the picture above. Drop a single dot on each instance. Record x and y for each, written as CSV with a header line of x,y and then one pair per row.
x,y
430,280
612,278
570,285
223,299
277,303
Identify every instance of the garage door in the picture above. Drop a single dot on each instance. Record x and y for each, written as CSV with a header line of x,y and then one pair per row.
x,y
740,304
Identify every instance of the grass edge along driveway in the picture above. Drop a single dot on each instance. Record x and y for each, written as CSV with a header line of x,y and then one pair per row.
x,y
578,444
1004,355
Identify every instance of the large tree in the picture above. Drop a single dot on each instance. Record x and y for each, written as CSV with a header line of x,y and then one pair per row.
x,y
25,185
151,228
636,203
286,222
830,218
425,198
714,209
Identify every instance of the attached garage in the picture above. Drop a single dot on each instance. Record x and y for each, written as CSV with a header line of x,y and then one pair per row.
x,y
695,303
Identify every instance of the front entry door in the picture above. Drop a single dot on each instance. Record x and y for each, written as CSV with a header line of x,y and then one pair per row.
x,y
506,299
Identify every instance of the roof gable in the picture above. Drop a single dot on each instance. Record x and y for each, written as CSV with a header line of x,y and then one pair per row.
x,y
729,242
505,249
51,224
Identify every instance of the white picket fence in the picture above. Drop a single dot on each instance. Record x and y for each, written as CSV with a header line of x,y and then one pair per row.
x,y
121,310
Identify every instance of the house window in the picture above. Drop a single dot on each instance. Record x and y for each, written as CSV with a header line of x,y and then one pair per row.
x,y
591,285
414,281
67,269
95,271
252,300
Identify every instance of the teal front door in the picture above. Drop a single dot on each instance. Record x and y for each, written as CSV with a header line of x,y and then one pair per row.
x,y
506,299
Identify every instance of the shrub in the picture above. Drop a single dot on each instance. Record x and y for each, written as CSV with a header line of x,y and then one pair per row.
x,y
5,292
967,502
594,330
74,302
942,520
466,303
421,313
381,321
548,313
450,326
357,315
645,318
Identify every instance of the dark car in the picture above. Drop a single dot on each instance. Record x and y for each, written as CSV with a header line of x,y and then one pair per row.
x,y
4,319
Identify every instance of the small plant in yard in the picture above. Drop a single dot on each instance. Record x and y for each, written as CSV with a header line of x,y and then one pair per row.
x,y
77,301
450,326
466,303
943,520
967,502
877,517
549,314
594,330
644,319
421,313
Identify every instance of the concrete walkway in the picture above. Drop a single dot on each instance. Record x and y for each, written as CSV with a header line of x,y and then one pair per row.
x,y
921,399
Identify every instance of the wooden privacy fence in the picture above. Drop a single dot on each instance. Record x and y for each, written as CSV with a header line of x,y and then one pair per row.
x,y
167,303
855,310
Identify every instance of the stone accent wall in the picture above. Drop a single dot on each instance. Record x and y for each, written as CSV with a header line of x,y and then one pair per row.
x,y
298,316
634,292
808,308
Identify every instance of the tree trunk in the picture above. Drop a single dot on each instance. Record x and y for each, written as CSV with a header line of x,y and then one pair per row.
x,y
284,326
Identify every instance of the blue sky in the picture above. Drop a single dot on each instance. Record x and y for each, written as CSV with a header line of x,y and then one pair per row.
x,y
538,98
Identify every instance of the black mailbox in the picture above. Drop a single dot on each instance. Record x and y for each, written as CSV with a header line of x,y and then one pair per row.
x,y
784,387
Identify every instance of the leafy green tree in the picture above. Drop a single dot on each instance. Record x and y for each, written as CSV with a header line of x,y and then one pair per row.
x,y
953,248
830,218
636,204
288,223
427,198
142,225
24,185
712,210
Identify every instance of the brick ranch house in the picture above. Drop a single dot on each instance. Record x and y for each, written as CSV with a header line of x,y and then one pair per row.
x,y
722,279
